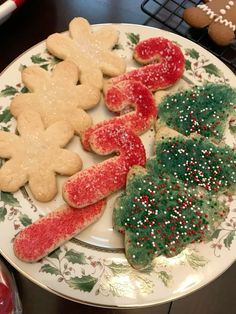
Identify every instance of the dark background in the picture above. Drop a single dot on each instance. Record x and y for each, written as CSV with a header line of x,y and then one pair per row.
x,y
33,23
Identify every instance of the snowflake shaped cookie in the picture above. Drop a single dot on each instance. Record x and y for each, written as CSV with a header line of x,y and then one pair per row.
x,y
90,50
36,155
55,96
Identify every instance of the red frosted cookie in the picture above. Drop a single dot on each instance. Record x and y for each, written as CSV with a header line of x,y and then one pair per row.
x,y
97,182
127,95
46,234
163,64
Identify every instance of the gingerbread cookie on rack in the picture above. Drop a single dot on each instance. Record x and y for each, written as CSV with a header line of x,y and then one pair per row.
x,y
57,96
90,50
36,155
218,15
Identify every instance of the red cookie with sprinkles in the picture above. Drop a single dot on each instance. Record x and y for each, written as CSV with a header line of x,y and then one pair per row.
x,y
100,180
162,64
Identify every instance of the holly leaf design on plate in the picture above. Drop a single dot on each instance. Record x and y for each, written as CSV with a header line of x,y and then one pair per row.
x,y
134,38
194,54
8,91
165,277
5,115
119,268
8,199
75,258
212,69
3,213
195,260
187,65
47,268
24,90
85,283
25,220
117,47
229,239
37,59
44,66
216,234
55,254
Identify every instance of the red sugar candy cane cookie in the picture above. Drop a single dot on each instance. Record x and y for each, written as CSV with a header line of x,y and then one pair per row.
x,y
48,233
99,181
164,64
119,97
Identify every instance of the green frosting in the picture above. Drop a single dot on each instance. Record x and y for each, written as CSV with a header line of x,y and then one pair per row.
x,y
159,215
202,109
197,162
174,202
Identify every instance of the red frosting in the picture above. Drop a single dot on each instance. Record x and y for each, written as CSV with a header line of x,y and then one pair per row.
x,y
97,182
127,95
46,234
165,64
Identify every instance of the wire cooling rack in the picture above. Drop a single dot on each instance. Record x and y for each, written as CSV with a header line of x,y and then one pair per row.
x,y
170,12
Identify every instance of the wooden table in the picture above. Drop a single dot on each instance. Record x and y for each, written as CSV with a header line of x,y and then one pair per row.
x,y
32,23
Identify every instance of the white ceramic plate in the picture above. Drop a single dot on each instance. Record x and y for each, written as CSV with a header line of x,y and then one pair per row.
x,y
92,268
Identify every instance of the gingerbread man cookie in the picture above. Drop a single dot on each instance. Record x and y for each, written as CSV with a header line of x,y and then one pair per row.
x,y
218,15
91,51
55,96
36,155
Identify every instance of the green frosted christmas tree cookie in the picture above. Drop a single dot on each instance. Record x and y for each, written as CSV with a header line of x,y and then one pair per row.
x,y
206,110
159,215
197,162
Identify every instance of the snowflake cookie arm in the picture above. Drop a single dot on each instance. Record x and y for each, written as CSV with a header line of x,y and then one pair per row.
x,y
80,30
43,185
29,122
8,141
12,176
35,78
23,102
66,71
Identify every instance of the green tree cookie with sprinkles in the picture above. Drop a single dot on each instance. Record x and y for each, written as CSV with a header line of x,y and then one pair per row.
x,y
160,215
205,110
197,162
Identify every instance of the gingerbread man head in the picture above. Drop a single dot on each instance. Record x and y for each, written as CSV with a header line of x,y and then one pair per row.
x,y
218,15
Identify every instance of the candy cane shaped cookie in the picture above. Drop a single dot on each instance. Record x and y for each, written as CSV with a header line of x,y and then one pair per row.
x,y
51,231
163,64
119,97
100,180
